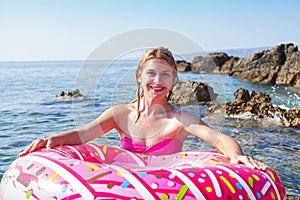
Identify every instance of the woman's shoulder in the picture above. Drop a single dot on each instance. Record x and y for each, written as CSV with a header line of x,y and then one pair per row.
x,y
187,117
121,108
118,108
182,113
115,112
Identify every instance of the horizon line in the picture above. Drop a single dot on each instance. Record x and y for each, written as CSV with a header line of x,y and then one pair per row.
x,y
85,60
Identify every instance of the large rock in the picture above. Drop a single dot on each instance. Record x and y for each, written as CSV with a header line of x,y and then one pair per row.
x,y
279,65
191,92
227,66
289,73
183,66
210,63
259,104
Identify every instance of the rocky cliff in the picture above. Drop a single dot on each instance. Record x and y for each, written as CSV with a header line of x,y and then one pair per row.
x,y
279,65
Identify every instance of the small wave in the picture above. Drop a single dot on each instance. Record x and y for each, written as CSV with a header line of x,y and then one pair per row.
x,y
245,115
266,122
71,99
282,106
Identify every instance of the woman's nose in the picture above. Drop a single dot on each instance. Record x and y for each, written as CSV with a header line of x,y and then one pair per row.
x,y
157,79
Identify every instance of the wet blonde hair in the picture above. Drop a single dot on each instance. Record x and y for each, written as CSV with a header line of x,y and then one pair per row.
x,y
159,53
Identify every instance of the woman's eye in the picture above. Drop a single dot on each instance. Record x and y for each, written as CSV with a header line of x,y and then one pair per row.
x,y
151,74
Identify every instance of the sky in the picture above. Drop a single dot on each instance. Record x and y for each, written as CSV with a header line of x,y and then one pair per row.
x,y
35,30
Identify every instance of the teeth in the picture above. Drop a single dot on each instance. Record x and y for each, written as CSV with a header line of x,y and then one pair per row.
x,y
157,88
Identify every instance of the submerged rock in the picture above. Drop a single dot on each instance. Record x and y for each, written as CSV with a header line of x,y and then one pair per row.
x,y
69,95
259,104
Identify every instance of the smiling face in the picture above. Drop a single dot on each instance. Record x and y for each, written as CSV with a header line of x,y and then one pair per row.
x,y
157,78
157,74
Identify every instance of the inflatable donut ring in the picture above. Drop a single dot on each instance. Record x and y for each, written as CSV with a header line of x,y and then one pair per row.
x,y
93,171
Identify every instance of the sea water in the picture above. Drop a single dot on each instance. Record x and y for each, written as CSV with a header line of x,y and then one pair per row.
x,y
29,109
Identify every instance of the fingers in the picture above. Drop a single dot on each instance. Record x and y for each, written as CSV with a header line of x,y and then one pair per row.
x,y
37,144
26,150
260,165
250,162
49,143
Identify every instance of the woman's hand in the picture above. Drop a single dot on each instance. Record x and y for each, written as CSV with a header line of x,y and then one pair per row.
x,y
38,144
248,161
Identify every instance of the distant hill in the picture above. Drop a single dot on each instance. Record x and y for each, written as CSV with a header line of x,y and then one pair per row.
x,y
241,52
245,51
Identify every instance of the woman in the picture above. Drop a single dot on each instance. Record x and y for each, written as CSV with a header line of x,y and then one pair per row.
x,y
150,124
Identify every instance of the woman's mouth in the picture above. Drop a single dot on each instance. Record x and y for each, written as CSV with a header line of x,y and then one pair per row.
x,y
157,88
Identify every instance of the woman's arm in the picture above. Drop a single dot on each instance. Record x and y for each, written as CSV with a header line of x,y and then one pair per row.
x,y
228,146
104,123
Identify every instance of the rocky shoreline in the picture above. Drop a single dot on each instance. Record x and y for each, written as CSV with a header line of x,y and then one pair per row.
x,y
279,65
259,105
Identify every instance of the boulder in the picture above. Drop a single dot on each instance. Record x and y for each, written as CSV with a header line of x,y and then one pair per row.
x,y
259,104
289,73
183,66
69,95
227,66
291,118
191,92
279,65
210,63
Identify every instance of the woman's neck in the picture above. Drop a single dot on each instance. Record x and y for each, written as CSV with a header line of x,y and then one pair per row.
x,y
153,107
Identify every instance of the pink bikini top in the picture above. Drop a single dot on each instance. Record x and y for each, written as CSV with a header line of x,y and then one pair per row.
x,y
163,147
